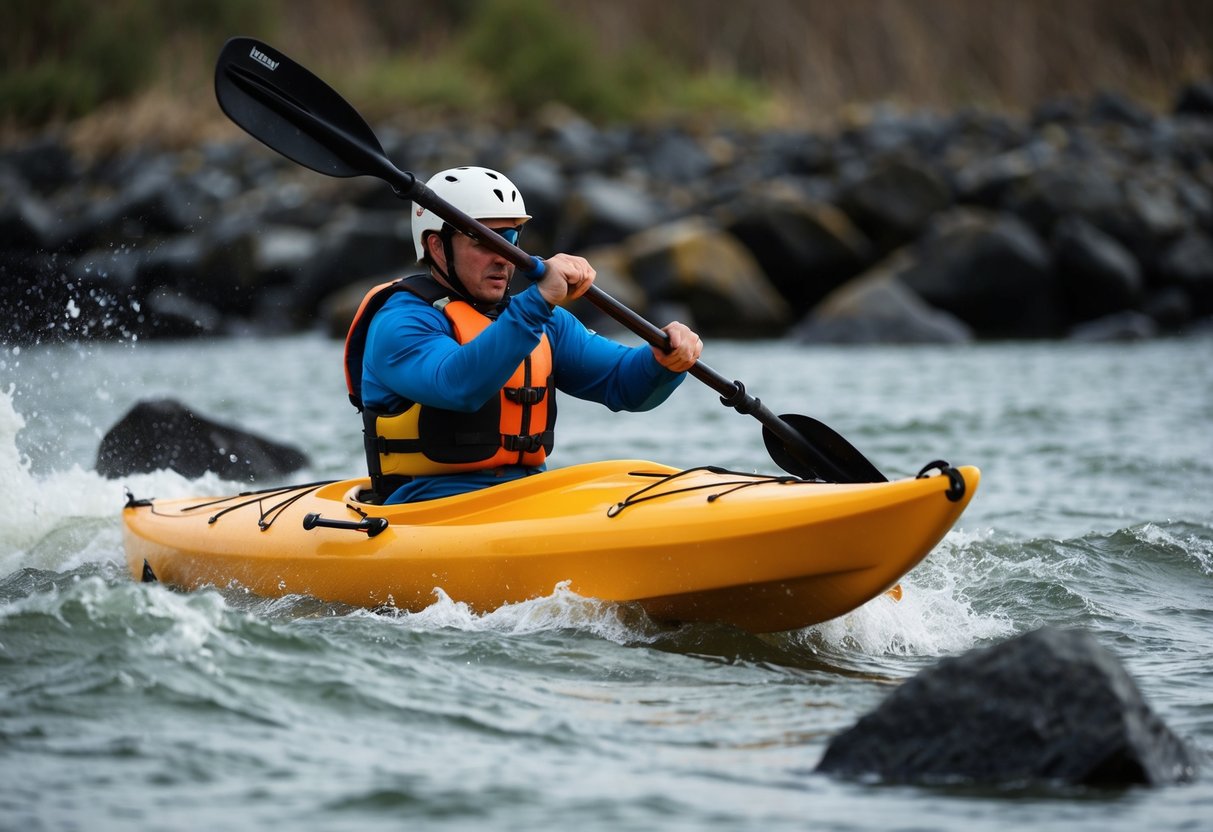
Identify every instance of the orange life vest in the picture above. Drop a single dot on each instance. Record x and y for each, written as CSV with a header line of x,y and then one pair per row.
x,y
515,427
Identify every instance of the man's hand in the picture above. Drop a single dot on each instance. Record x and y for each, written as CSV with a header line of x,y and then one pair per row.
x,y
685,348
567,278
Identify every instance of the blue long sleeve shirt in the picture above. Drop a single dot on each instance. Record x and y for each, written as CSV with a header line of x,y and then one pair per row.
x,y
411,355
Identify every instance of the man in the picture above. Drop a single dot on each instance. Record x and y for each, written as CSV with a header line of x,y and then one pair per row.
x,y
456,379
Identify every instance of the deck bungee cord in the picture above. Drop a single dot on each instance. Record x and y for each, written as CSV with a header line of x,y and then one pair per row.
x,y
644,495
264,521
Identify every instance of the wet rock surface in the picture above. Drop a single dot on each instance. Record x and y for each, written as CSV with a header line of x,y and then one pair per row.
x,y
1052,707
162,434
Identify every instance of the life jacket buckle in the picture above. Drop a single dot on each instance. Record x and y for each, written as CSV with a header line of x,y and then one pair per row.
x,y
526,444
525,395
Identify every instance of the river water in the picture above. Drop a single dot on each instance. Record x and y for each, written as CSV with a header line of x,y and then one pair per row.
x,y
128,706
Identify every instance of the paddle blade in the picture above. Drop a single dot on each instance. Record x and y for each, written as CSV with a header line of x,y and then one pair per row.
x,y
286,107
830,458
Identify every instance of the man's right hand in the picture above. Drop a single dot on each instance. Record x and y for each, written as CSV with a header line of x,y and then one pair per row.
x,y
567,277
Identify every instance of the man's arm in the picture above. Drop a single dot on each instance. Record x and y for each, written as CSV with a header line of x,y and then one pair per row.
x,y
598,369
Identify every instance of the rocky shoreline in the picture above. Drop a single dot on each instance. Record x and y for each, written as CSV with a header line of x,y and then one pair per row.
x,y
1089,219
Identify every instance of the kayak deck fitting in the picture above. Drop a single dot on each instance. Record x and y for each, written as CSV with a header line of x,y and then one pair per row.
x,y
763,553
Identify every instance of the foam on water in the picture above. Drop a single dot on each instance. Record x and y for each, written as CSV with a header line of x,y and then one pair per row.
x,y
169,623
562,610
31,508
1199,549
935,615
67,518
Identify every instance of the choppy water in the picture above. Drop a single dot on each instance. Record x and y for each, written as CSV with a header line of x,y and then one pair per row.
x,y
128,706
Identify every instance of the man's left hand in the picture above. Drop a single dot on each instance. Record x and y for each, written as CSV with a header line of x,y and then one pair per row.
x,y
685,348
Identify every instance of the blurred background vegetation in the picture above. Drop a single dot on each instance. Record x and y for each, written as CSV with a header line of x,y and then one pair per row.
x,y
129,68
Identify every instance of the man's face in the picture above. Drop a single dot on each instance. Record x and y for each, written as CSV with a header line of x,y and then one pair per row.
x,y
484,274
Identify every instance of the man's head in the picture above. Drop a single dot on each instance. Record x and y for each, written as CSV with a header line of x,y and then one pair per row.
x,y
455,259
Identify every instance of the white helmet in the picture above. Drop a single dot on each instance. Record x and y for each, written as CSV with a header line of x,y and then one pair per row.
x,y
480,193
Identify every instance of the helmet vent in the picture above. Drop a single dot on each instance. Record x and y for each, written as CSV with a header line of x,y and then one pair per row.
x,y
450,178
491,174
500,195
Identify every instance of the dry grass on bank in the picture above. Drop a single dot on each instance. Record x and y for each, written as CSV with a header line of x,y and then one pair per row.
x,y
767,62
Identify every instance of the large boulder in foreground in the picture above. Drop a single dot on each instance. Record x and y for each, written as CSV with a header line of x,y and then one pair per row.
x,y
1052,706
163,433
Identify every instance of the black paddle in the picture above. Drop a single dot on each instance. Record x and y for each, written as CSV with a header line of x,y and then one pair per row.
x,y
290,110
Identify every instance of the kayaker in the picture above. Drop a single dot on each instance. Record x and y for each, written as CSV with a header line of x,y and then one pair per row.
x,y
456,378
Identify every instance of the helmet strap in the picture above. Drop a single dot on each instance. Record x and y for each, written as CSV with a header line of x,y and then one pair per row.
x,y
451,276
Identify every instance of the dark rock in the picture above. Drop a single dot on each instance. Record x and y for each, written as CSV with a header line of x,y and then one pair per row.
x,y
167,313
216,268
26,222
1169,307
155,201
1049,707
50,298
1098,275
163,201
543,188
337,310
352,248
116,268
1196,200
1058,110
177,264
613,267
810,155
1086,190
216,185
1188,263
1113,107
878,309
1128,325
291,204
102,287
165,434
677,158
46,164
33,297
982,132
894,201
572,138
229,266
601,211
282,253
886,132
986,180
1154,209
696,265
990,271
1196,100
806,248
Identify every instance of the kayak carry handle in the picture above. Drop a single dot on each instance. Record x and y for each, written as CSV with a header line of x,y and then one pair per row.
x,y
371,525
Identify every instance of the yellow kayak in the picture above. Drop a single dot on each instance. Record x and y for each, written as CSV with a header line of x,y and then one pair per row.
x,y
760,552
